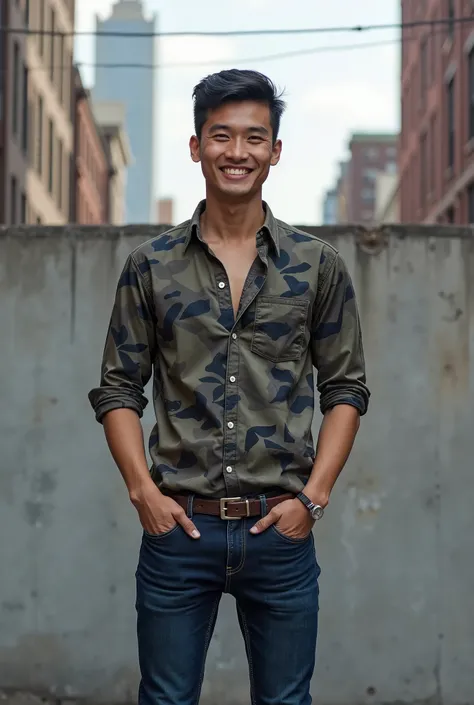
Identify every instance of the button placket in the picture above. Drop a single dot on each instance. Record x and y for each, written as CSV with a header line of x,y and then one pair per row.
x,y
229,459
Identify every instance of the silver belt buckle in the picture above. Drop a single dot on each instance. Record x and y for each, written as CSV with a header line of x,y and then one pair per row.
x,y
223,506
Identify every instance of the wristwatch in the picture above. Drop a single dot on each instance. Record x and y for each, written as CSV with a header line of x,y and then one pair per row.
x,y
316,511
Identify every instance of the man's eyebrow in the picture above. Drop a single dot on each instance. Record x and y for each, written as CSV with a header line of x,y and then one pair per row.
x,y
260,130
221,126
218,126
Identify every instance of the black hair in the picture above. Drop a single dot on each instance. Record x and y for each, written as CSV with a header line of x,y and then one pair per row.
x,y
232,86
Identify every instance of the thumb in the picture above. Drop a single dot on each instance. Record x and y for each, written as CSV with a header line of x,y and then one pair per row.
x,y
188,526
263,523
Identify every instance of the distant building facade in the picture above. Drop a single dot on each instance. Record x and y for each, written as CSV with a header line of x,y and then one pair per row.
x,y
91,163
370,153
165,211
135,89
330,207
36,130
437,135
110,118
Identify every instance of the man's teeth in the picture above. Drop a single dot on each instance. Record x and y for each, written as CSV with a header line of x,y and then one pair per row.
x,y
237,172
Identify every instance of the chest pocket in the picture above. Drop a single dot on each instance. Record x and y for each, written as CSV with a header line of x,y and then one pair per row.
x,y
280,328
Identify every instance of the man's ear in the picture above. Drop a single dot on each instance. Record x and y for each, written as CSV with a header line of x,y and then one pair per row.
x,y
276,153
195,149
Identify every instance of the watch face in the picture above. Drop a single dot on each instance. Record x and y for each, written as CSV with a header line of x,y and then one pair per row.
x,y
317,512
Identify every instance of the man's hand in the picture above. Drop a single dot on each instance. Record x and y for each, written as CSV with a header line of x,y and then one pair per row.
x,y
159,513
291,518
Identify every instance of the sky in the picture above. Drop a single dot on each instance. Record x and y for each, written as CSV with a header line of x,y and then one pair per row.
x,y
329,94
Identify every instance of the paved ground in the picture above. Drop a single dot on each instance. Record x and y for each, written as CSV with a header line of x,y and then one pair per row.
x,y
17,698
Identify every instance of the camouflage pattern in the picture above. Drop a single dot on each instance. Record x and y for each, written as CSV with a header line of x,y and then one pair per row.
x,y
234,399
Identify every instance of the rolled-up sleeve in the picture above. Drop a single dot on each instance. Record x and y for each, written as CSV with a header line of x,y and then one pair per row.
x,y
336,339
129,350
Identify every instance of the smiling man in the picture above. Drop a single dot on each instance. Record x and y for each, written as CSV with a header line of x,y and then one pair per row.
x,y
230,312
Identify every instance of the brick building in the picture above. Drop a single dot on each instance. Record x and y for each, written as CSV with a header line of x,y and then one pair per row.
x,y
90,198
36,135
370,154
436,158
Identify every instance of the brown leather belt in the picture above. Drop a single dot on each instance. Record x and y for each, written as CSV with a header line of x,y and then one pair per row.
x,y
230,507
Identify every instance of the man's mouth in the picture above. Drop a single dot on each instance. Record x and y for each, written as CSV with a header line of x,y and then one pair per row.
x,y
236,172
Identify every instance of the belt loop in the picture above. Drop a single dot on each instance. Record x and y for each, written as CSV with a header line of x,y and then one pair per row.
x,y
263,505
189,510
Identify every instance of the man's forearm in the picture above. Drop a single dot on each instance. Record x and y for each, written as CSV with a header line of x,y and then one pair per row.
x,y
336,438
124,434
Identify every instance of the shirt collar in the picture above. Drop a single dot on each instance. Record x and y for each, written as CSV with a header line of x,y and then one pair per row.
x,y
270,226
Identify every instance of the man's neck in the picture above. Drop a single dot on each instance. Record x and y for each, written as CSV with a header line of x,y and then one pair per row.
x,y
231,222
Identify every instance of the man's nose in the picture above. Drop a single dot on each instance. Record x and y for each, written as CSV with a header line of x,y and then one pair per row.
x,y
237,150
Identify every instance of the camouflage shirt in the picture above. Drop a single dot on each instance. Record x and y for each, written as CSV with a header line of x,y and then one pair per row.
x,y
233,397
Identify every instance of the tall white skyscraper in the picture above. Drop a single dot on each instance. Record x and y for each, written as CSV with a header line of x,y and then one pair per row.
x,y
135,88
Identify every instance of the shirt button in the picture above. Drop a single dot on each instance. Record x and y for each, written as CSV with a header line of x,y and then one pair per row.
x,y
232,379
228,469
221,285
234,336
230,424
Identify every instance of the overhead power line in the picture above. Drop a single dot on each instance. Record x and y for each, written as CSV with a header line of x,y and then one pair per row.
x,y
248,60
449,21
328,48
234,60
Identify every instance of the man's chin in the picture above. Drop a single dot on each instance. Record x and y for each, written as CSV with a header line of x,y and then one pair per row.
x,y
237,191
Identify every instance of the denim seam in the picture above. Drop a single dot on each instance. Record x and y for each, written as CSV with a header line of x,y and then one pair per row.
x,y
206,647
227,561
246,633
243,552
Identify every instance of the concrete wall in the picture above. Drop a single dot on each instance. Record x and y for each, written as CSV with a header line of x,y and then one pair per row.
x,y
395,546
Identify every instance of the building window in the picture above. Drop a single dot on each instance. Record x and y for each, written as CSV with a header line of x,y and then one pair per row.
x,y
13,196
39,137
60,173
41,26
15,86
423,69
27,13
38,220
23,209
367,194
471,92
50,156
450,215
423,168
371,174
450,110
451,17
63,67
470,203
52,45
24,114
372,153
391,167
433,143
432,63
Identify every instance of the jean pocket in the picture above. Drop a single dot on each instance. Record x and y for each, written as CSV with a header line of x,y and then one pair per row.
x,y
165,534
290,539
280,328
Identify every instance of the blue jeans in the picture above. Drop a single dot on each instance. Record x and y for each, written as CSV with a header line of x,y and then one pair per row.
x,y
274,580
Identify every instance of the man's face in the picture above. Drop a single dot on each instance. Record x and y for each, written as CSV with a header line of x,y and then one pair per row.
x,y
236,149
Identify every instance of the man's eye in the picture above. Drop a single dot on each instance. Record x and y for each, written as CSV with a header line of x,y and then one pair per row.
x,y
221,137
